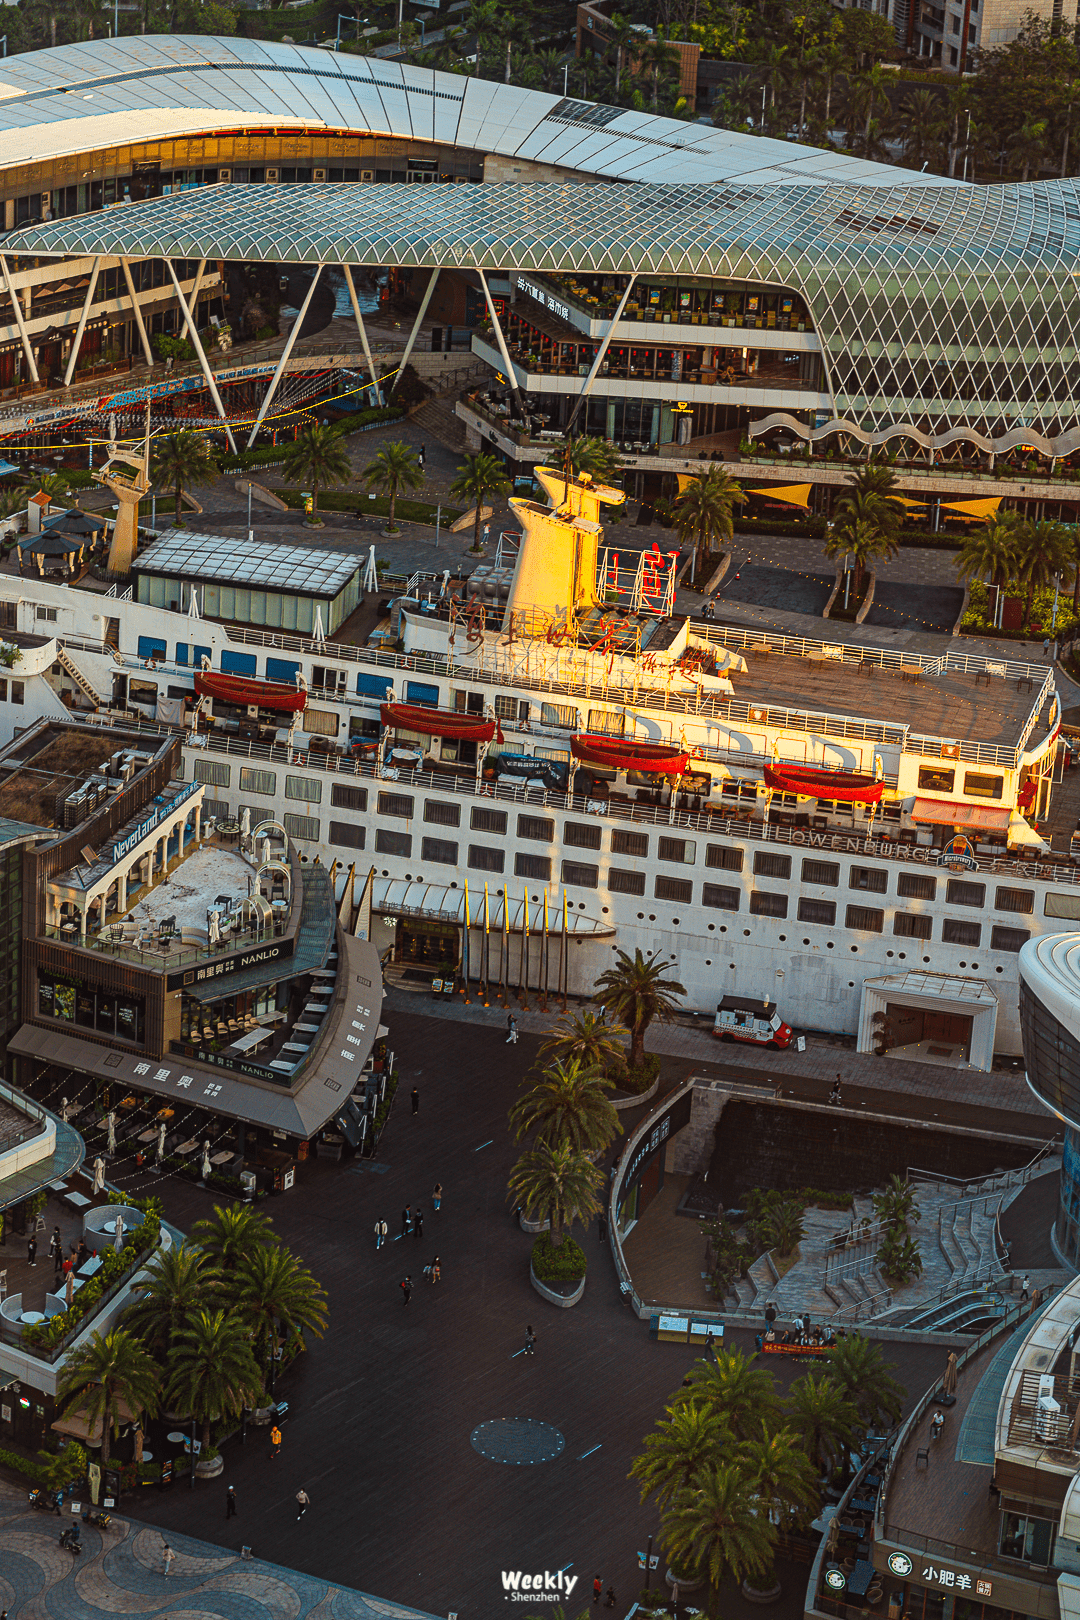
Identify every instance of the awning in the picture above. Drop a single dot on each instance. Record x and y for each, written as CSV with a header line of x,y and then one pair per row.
x,y
942,813
793,494
437,902
629,754
245,693
849,787
973,510
1021,832
49,543
905,500
439,722
79,1427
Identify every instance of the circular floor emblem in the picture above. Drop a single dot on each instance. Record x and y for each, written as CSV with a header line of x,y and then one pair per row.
x,y
517,1440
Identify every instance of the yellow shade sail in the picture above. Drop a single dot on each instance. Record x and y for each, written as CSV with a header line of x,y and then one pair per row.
x,y
905,500
793,494
973,510
685,480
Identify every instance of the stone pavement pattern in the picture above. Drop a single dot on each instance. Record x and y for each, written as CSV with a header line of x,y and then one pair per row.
x,y
120,1572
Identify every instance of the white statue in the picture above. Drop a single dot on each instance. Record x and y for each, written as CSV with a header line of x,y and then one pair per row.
x,y
65,1109
99,1174
206,1160
161,1142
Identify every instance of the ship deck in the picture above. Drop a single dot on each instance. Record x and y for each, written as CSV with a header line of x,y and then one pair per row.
x,y
962,707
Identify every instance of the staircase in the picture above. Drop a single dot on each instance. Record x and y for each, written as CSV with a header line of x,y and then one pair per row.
x,y
66,662
436,418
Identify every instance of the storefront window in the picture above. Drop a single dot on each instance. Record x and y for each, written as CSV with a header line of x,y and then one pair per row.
x,y
1028,1539
87,1008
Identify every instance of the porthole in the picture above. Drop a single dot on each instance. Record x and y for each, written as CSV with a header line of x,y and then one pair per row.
x,y
828,944
581,905
712,928
975,967
723,927
903,956
640,916
746,933
652,917
999,970
806,942
674,922
603,911
674,958
926,959
497,891
385,872
408,877
707,962
888,953
851,984
963,964
854,950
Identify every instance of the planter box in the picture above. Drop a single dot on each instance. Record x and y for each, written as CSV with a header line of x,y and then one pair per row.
x,y
211,1469
632,1100
533,1226
547,1291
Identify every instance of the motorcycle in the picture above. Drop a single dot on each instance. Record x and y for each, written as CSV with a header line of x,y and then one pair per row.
x,y
97,1517
71,1539
48,1501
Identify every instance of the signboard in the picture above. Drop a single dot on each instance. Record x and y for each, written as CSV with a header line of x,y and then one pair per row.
x,y
900,1563
545,298
672,1120
278,950
958,1581
123,846
166,1474
835,1580
959,855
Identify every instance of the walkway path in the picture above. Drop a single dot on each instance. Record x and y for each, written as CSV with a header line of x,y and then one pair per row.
x,y
120,1572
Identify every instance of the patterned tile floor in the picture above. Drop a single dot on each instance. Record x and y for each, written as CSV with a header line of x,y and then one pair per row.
x,y
120,1572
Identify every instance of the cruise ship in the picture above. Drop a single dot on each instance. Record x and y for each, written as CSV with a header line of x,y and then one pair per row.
x,y
527,769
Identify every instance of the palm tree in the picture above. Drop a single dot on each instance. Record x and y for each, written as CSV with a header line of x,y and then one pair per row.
x,y
178,1283
832,60
1045,549
897,1205
557,1183
182,459
782,1473
874,82
824,1417
660,59
703,512
212,1372
714,1527
478,476
549,64
858,1367
621,37
278,1298
589,1039
991,551
317,458
783,1227
777,72
232,1234
684,1442
394,470
481,17
1028,145
743,1396
111,1371
920,127
589,453
568,1105
636,993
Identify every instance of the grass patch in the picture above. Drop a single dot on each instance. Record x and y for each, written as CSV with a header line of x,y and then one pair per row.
x,y
345,500
784,1262
566,1263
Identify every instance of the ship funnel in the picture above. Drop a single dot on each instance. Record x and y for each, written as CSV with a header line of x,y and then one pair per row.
x,y
556,565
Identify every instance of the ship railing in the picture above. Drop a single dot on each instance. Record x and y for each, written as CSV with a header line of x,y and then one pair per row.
x,y
836,839
951,662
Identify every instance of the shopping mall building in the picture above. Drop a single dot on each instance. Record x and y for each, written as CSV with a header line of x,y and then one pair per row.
x,y
707,285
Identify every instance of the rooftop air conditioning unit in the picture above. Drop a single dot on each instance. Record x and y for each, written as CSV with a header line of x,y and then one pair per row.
x,y
318,174
273,176
367,174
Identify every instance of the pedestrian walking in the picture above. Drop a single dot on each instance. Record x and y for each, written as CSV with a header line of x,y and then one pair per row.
x,y
530,1341
31,1250
1046,646
1025,1283
435,1269
56,1249
302,1500
230,1502
381,1230
406,1220
597,1590
275,1441
601,1226
423,455
167,1556
416,1099
511,1031
834,1094
406,1289
609,1601
418,1223
436,1197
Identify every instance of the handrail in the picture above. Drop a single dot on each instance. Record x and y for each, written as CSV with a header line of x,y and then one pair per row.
x,y
988,1184
840,1314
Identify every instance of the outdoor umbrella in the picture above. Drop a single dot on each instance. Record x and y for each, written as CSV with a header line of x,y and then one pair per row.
x,y
99,1174
112,1130
206,1161
948,1383
74,523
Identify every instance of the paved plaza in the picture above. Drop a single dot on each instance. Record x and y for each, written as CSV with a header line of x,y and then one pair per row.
x,y
382,1410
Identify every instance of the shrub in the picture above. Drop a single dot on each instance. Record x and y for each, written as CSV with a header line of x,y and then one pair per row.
x,y
566,1263
24,1465
637,1079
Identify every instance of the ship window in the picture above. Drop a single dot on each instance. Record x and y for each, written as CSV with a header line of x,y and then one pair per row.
x,y
439,814
934,780
629,843
557,714
343,797
766,864
538,827
765,904
683,850
1019,900
486,858
212,771
492,821
826,873
959,893
867,919
818,911
348,834
977,786
301,827
669,888
720,897
871,878
253,781
443,851
622,882
309,788
581,836
388,842
533,866
916,886
912,924
608,724
396,804
576,872
1008,939
954,931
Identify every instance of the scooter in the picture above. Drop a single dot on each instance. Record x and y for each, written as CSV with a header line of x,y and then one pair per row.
x,y
71,1538
46,1500
97,1517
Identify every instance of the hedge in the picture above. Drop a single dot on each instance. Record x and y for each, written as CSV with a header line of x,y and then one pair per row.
x,y
637,1079
345,500
563,1263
